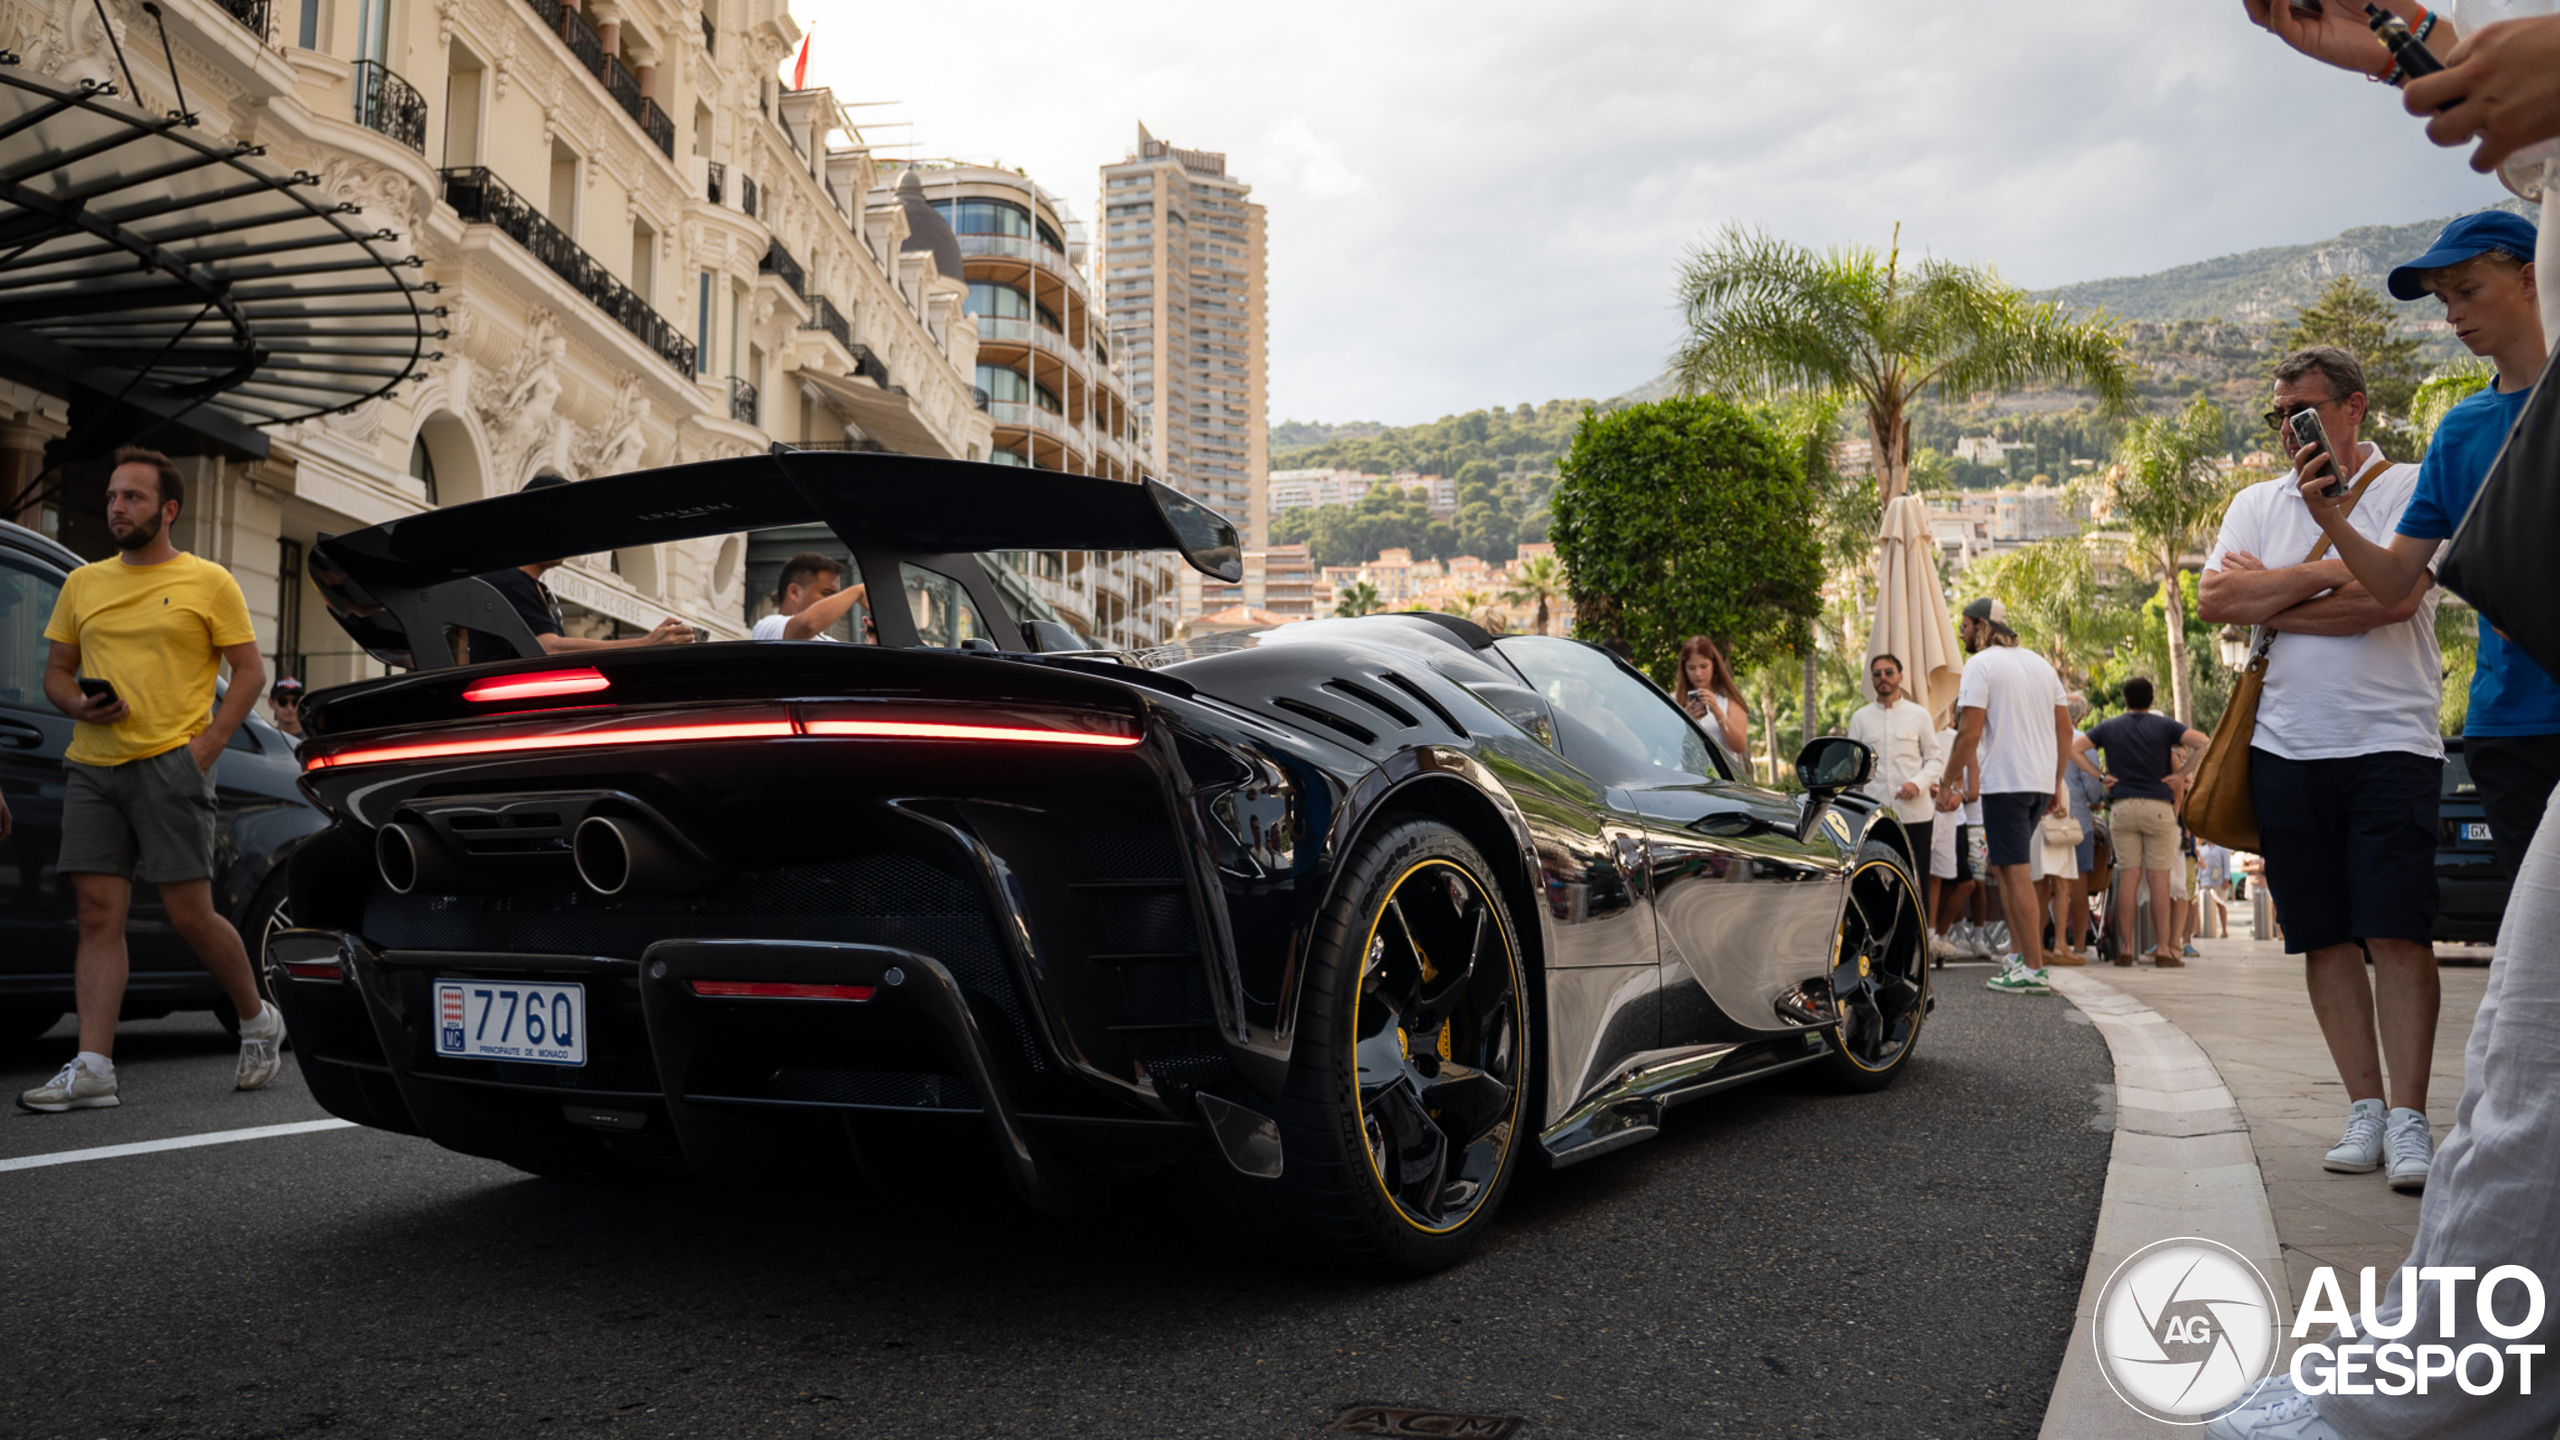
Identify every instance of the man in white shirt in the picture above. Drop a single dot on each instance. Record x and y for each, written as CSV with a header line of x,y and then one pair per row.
x,y
1908,760
2344,767
2012,708
809,598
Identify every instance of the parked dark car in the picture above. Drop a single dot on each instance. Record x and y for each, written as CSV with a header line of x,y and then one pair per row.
x,y
2471,882
1348,919
262,815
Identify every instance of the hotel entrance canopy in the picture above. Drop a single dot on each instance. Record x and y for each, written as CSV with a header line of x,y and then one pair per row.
x,y
179,289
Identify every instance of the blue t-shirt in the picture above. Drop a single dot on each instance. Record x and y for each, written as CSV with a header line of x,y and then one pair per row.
x,y
2510,695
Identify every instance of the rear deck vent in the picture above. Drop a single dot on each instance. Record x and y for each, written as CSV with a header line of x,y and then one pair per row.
x,y
1423,698
1374,701
1326,718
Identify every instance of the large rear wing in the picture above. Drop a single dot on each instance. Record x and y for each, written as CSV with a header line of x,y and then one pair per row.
x,y
400,586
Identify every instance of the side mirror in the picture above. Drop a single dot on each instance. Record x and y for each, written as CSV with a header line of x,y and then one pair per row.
x,y
1829,764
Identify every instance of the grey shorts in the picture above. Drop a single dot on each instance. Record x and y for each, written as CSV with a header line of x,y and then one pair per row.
x,y
159,810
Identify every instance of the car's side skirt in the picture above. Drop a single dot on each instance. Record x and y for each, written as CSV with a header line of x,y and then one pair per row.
x,y
1630,1109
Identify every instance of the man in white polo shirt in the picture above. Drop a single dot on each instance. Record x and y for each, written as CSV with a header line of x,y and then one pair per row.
x,y
2344,767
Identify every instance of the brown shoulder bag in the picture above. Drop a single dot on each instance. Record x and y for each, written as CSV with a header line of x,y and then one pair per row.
x,y
2218,805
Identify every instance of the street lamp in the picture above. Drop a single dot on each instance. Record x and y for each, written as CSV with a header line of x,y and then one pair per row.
x,y
2234,642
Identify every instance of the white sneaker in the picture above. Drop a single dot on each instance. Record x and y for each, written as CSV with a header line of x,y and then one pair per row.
x,y
76,1087
2413,1150
2291,1418
1942,950
261,1048
2016,979
2359,1152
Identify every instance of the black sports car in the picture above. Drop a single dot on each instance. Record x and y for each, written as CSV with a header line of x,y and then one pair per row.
x,y
1353,917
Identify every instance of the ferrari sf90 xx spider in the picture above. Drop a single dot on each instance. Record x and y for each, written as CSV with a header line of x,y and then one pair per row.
x,y
1349,918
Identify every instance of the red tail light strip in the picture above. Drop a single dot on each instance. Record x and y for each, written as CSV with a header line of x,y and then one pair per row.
x,y
777,990
574,740
716,730
923,730
315,970
536,685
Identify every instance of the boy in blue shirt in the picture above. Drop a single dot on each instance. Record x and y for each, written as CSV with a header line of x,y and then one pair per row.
x,y
2481,267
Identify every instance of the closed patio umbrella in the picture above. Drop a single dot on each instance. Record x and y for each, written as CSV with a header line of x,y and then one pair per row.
x,y
1911,609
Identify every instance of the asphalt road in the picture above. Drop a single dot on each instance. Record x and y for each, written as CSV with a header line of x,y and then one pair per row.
x,y
1779,1262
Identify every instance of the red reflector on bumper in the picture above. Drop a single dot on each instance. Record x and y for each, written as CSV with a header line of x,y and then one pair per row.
x,y
536,685
315,970
776,990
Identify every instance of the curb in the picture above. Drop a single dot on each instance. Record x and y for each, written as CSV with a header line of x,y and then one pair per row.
x,y
2183,1164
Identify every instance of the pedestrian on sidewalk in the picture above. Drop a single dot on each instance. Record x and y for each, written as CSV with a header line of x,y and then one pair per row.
x,y
1954,867
2011,709
2494,1198
284,710
2088,790
136,640
2345,764
2143,750
1709,694
1908,761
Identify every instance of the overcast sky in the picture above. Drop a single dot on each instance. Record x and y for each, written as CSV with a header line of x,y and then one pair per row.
x,y
1486,203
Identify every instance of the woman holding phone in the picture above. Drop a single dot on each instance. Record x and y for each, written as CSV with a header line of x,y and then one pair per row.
x,y
1708,693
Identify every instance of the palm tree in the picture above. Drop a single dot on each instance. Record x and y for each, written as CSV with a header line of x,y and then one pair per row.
x,y
2166,492
2051,589
1467,602
1538,581
1358,598
1766,316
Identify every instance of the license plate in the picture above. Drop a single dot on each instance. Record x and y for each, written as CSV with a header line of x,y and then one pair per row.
x,y
500,1020
2475,830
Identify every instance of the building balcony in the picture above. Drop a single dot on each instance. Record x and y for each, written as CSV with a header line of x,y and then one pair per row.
x,y
389,105
482,198
1016,247
742,401
867,364
1018,415
715,180
252,13
779,264
823,315
588,47
747,200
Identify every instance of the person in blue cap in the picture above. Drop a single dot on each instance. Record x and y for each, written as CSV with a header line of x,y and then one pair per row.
x,y
2481,268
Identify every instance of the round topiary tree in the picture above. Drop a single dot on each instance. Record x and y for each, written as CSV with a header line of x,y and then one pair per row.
x,y
1688,516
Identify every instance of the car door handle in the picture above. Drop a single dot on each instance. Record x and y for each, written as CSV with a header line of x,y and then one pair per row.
x,y
19,736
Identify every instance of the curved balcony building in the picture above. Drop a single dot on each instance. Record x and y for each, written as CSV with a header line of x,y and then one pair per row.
x,y
1055,391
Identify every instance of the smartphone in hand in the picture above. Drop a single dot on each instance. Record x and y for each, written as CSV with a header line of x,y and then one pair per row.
x,y
98,689
2302,427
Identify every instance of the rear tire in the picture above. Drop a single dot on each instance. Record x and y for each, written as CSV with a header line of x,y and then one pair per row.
x,y
1881,979
270,912
1405,1115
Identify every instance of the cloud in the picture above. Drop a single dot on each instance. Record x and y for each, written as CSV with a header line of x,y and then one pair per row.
x,y
1484,204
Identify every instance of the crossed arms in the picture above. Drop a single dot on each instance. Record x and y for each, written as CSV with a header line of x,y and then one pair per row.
x,y
2320,598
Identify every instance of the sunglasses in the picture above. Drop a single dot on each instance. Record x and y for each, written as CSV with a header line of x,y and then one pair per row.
x,y
2275,418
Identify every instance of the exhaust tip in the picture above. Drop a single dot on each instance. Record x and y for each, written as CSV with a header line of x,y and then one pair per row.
x,y
602,853
395,854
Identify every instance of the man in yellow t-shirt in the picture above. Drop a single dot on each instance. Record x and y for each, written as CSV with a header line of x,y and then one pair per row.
x,y
136,641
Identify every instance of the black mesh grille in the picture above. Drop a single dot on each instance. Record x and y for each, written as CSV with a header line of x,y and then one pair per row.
x,y
908,1090
1147,921
888,898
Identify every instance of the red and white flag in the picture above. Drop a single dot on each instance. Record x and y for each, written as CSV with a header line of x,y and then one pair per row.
x,y
800,64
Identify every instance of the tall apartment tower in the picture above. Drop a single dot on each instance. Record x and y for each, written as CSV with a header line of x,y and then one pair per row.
x,y
1185,300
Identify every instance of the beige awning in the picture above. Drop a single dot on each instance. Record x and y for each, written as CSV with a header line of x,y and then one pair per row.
x,y
884,415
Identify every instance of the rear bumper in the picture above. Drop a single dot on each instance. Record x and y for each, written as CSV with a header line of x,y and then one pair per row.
x,y
674,1078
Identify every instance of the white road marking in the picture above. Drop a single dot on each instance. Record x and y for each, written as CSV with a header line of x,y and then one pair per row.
x,y
175,1142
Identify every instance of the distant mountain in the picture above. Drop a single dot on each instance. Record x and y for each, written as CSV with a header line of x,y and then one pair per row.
x,y
2266,285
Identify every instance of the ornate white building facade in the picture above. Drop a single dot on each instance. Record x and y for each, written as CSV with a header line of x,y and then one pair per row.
x,y
646,252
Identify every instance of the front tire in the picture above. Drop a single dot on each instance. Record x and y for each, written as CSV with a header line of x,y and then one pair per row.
x,y
1406,1112
1880,976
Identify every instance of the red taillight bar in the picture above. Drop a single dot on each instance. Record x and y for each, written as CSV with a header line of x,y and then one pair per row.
x,y
536,685
315,969
718,730
777,990
574,740
934,730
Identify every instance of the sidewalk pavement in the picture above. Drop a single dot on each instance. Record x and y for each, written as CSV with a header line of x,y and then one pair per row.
x,y
2225,1101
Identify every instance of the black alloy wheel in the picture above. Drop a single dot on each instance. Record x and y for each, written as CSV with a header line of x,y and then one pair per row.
x,y
1880,972
1406,1112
